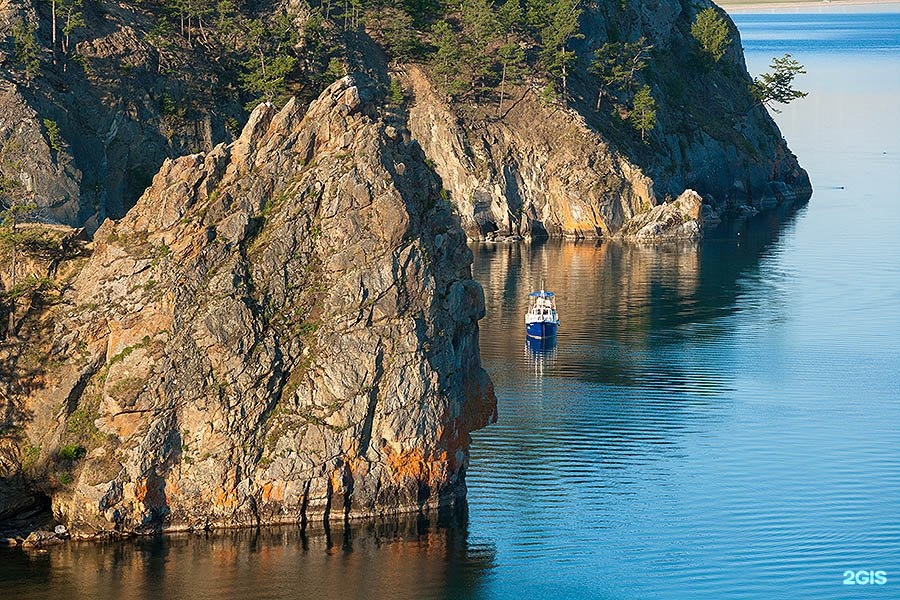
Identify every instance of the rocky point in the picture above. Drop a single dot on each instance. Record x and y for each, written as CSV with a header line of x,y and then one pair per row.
x,y
282,329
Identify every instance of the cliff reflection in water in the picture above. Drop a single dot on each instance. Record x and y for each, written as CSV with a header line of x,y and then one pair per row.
x,y
408,557
618,302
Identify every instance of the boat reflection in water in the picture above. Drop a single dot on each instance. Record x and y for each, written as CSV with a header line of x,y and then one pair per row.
x,y
541,352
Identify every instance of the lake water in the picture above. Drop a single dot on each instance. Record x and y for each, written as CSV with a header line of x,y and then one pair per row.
x,y
721,421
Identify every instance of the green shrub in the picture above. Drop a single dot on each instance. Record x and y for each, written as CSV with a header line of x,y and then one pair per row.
x,y
53,135
71,452
395,93
30,456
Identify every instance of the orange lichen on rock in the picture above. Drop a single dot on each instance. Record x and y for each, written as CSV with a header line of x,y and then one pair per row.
x,y
415,465
272,394
273,490
140,490
150,491
225,499
358,465
172,489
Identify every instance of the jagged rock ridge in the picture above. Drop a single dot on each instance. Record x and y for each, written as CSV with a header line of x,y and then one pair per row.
x,y
282,328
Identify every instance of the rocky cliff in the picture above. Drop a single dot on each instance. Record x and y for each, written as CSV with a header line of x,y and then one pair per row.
x,y
561,167
540,170
117,108
573,169
283,328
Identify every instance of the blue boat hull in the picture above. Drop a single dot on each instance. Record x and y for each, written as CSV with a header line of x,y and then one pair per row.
x,y
541,330
541,346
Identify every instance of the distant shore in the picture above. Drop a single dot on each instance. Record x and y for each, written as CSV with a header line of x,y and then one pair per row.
x,y
801,5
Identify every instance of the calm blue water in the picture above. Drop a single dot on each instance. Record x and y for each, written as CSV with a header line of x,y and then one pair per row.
x,y
819,33
721,422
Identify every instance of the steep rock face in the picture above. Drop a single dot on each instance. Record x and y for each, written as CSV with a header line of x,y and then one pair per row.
x,y
711,135
27,158
578,171
282,328
538,170
118,112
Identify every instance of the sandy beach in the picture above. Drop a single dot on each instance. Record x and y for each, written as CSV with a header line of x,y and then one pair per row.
x,y
744,6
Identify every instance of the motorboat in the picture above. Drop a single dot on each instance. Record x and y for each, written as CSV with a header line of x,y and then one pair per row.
x,y
541,320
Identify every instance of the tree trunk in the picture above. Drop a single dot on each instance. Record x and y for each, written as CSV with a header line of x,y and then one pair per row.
x,y
502,86
11,325
66,30
53,27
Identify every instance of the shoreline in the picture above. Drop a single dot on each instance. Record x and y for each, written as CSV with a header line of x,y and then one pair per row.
x,y
807,5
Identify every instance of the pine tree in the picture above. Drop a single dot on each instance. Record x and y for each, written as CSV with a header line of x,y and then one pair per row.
x,y
616,65
480,28
160,37
14,208
511,17
269,64
512,60
538,15
447,54
643,112
227,25
73,20
561,28
395,28
777,86
27,50
395,96
711,32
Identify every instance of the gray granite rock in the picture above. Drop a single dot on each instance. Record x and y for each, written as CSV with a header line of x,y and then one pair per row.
x,y
282,329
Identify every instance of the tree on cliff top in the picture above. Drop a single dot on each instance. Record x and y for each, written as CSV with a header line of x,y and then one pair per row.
x,y
269,63
393,27
777,86
73,19
711,32
560,27
446,57
512,61
480,29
